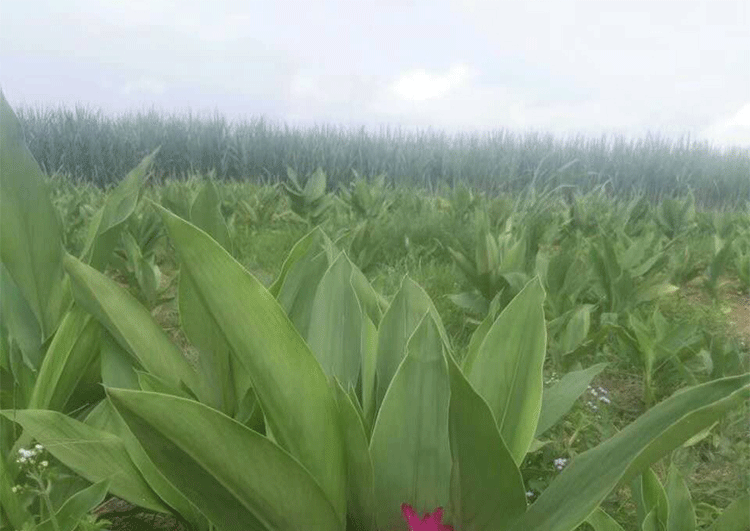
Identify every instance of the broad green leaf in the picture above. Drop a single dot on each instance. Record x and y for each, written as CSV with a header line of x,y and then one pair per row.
x,y
250,413
222,385
486,256
107,224
409,446
736,517
399,322
297,291
5,347
106,417
130,324
465,265
148,276
681,512
369,351
537,445
177,199
118,369
514,258
592,475
373,304
154,384
651,498
22,375
300,249
31,246
479,334
72,350
315,185
354,397
558,399
655,291
507,371
487,491
93,454
601,521
359,471
70,354
335,335
698,437
74,509
472,301
206,214
18,320
577,328
299,405
103,417
651,522
231,473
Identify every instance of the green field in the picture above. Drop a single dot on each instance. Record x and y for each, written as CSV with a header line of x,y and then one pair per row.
x,y
637,260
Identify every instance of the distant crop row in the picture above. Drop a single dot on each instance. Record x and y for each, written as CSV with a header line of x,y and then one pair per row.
x,y
97,148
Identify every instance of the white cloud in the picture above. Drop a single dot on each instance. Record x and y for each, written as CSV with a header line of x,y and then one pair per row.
x,y
303,86
144,85
457,100
734,130
420,85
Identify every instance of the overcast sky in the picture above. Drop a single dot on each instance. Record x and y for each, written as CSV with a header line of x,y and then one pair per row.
x,y
565,66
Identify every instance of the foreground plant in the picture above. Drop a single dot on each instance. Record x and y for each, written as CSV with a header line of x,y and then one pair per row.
x,y
53,354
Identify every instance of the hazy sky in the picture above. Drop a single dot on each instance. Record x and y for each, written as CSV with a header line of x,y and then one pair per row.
x,y
565,66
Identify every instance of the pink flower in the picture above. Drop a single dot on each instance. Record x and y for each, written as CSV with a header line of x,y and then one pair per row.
x,y
428,523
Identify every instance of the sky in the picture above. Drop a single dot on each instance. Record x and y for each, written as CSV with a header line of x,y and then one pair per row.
x,y
670,68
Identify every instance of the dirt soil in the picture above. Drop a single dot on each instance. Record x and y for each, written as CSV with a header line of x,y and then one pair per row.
x,y
127,517
739,315
738,305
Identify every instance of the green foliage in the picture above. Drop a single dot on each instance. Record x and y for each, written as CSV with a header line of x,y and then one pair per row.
x,y
654,342
260,208
722,253
629,271
320,402
669,507
369,206
50,356
368,202
106,227
31,247
676,217
684,266
497,269
310,202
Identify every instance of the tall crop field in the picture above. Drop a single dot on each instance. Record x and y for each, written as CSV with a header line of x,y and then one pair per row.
x,y
97,148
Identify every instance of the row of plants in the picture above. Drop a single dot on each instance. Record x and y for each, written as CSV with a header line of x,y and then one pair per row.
x,y
602,268
91,146
315,402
